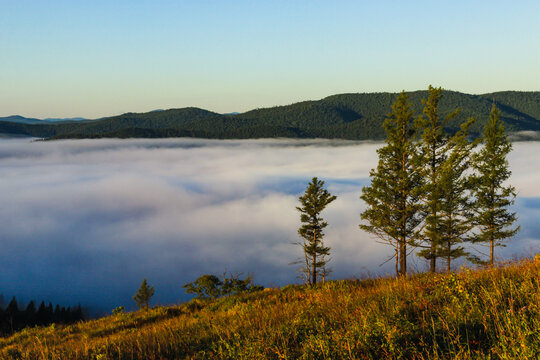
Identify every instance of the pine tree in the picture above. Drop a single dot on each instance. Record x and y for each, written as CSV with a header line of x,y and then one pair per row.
x,y
30,314
313,202
78,313
42,317
13,314
432,156
143,295
57,316
393,207
455,207
493,219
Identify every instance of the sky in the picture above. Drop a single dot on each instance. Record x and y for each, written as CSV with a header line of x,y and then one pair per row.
x,y
102,58
84,221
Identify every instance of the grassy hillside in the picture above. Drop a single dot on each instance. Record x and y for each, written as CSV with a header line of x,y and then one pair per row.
x,y
487,314
346,116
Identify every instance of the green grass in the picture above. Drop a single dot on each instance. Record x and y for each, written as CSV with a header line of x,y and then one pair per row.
x,y
484,314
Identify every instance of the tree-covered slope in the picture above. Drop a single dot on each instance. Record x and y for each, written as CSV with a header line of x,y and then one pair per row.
x,y
347,116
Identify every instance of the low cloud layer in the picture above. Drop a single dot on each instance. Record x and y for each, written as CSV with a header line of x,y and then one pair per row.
x,y
84,221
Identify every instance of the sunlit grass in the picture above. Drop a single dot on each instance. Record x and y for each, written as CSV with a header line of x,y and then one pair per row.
x,y
486,314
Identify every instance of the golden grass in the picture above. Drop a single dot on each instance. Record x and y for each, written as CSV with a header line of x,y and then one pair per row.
x,y
485,314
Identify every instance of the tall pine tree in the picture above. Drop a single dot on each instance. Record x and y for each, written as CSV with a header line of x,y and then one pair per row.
x,y
493,218
432,156
313,202
455,209
393,209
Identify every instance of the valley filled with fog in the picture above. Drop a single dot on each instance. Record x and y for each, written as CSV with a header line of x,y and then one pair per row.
x,y
84,221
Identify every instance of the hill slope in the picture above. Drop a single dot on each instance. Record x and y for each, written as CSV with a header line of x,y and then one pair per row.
x,y
492,313
346,116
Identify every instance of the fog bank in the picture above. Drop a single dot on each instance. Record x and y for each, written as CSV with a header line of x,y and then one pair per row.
x,y
85,220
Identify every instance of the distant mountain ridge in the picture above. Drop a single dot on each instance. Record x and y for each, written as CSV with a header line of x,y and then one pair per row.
x,y
24,120
21,120
344,116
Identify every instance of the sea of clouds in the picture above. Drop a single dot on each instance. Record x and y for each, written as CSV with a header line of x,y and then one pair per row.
x,y
84,221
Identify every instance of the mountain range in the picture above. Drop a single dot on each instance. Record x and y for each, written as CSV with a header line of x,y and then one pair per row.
x,y
344,116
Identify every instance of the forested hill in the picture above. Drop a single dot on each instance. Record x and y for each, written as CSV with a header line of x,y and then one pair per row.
x,y
346,116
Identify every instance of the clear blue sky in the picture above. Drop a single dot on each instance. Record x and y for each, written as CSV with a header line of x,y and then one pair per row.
x,y
97,58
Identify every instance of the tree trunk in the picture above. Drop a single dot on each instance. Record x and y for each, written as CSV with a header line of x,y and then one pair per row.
x,y
491,226
449,257
491,252
397,260
314,260
403,258
433,259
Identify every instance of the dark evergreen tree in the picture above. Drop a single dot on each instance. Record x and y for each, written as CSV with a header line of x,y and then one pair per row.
x,y
456,205
78,314
42,316
313,202
12,314
433,148
393,208
68,314
57,316
14,319
493,218
3,322
13,306
143,295
31,308
30,318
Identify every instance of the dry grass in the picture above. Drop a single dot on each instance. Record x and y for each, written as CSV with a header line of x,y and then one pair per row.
x,y
486,314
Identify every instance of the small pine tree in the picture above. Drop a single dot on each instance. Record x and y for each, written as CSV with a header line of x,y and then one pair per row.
x,y
493,219
313,202
143,295
393,208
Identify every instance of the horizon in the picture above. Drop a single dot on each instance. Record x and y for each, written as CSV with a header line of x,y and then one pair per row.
x,y
82,117
66,59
